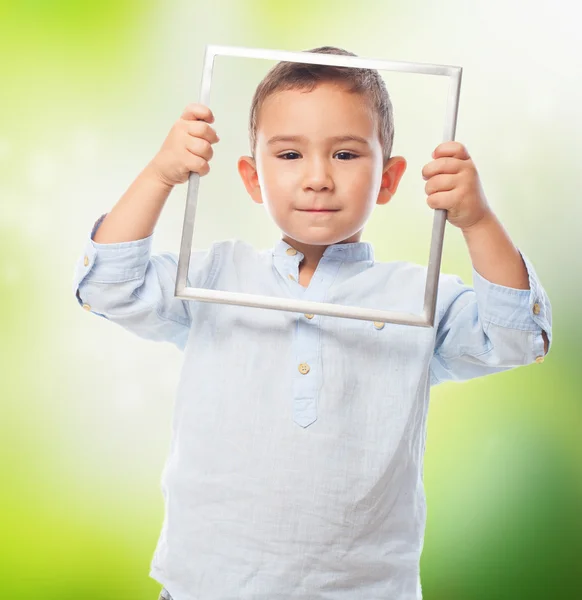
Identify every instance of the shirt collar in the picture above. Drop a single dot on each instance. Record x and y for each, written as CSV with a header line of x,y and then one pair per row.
x,y
351,252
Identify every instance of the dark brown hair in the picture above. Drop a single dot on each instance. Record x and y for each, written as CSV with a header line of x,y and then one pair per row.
x,y
300,76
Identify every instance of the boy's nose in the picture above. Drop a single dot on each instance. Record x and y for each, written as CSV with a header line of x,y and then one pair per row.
x,y
317,176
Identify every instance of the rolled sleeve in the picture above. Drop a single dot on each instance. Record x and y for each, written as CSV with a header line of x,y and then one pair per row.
x,y
124,283
527,310
111,263
490,328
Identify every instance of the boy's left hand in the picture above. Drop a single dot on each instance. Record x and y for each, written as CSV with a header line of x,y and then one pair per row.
x,y
453,184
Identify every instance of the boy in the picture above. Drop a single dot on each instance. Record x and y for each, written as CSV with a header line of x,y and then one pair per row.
x,y
295,469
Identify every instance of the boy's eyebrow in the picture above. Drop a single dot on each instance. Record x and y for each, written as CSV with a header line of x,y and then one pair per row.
x,y
300,138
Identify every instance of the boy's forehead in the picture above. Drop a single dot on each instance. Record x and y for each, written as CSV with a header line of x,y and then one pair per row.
x,y
309,94
327,105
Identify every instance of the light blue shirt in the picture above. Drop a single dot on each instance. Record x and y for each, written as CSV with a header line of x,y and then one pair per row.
x,y
295,467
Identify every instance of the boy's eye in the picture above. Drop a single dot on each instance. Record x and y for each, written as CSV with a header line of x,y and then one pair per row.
x,y
341,155
289,155
346,155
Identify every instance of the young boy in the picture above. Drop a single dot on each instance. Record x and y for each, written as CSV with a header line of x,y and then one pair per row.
x,y
295,468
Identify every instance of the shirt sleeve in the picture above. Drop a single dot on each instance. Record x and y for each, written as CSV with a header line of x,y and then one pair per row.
x,y
488,328
124,283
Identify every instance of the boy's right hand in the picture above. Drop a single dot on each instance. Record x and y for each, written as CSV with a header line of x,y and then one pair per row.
x,y
187,148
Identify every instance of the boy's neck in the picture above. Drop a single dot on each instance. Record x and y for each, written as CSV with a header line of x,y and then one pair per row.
x,y
312,255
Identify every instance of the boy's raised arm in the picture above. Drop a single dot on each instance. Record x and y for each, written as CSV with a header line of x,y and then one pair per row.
x,y
505,321
496,259
136,214
453,184
117,277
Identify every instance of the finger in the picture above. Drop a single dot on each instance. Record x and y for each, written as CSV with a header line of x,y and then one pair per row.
x,y
196,164
442,166
442,200
200,129
440,183
198,111
452,149
200,147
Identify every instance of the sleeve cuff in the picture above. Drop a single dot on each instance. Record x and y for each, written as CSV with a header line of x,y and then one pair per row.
x,y
112,263
527,310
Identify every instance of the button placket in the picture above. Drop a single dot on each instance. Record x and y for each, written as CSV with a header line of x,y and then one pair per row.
x,y
306,374
287,266
307,377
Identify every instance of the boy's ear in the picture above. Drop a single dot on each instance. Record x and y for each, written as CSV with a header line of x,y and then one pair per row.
x,y
391,176
247,169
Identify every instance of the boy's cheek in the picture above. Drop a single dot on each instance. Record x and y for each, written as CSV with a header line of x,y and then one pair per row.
x,y
280,184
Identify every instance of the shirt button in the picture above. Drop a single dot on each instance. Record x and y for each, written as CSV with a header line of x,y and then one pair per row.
x,y
308,316
304,368
291,277
291,251
379,325
86,261
540,360
536,309
86,306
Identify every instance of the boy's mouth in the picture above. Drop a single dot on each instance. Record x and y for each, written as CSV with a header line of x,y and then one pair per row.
x,y
318,210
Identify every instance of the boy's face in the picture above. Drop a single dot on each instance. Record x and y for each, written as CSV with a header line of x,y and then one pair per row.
x,y
319,165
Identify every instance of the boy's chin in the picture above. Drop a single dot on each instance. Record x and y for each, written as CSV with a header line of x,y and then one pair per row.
x,y
319,238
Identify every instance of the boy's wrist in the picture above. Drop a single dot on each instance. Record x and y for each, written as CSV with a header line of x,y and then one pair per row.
x,y
486,221
154,176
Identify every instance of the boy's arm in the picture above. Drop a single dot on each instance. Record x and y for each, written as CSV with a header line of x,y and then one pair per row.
x,y
117,277
137,212
505,321
497,260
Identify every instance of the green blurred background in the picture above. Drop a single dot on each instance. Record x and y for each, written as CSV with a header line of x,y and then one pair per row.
x,y
88,92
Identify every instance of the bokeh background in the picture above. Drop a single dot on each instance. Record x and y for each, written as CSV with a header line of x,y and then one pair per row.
x,y
88,92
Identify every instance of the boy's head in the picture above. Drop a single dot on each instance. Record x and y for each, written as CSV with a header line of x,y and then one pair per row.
x,y
367,83
321,141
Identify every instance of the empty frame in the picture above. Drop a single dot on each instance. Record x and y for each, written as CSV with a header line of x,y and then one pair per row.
x,y
426,318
